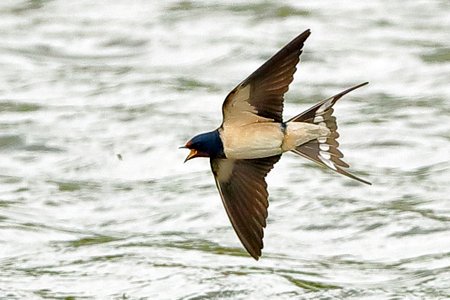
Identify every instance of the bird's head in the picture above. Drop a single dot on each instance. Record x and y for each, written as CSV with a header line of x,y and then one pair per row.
x,y
206,144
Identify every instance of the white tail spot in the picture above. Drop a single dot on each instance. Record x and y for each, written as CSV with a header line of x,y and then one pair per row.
x,y
318,119
324,147
328,163
322,140
325,155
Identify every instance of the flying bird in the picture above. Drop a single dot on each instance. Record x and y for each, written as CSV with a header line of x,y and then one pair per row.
x,y
253,136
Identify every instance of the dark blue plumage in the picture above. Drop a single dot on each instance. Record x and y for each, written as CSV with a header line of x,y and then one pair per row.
x,y
209,144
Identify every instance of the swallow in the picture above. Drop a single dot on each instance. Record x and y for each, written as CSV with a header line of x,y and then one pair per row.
x,y
253,136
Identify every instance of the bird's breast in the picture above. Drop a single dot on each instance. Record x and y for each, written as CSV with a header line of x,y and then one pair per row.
x,y
255,140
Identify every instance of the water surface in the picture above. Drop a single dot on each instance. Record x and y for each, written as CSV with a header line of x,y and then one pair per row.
x,y
84,81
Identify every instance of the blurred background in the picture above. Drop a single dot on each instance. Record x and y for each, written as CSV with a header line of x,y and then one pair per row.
x,y
95,201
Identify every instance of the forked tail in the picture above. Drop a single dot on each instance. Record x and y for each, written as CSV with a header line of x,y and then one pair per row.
x,y
324,150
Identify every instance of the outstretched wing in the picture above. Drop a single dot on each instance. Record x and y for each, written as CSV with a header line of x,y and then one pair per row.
x,y
261,95
243,189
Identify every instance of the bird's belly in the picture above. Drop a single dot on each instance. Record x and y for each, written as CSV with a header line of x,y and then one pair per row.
x,y
255,140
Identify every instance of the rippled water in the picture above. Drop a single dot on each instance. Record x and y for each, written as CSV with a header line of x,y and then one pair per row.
x,y
84,82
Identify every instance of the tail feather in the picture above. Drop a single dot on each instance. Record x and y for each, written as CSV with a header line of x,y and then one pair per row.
x,y
324,150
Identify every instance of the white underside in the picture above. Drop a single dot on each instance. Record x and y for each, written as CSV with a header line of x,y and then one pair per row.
x,y
258,140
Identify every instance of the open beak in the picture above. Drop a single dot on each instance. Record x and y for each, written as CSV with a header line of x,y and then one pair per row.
x,y
192,154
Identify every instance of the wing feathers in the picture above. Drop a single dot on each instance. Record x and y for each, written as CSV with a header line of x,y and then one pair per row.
x,y
268,84
244,195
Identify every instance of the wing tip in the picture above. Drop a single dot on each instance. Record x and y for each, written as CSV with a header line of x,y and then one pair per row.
x,y
255,251
255,254
304,35
256,257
